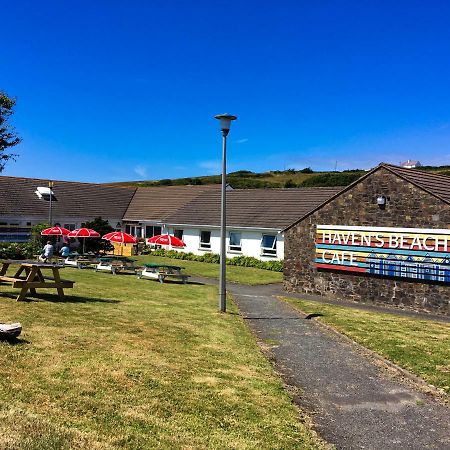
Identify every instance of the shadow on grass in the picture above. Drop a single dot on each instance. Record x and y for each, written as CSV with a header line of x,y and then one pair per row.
x,y
53,298
271,318
14,341
169,281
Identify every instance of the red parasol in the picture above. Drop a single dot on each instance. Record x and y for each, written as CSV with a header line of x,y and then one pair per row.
x,y
55,231
121,237
166,239
84,233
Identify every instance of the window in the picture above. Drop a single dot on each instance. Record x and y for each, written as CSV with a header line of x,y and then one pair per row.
x,y
134,230
178,234
70,226
269,245
205,240
151,231
235,242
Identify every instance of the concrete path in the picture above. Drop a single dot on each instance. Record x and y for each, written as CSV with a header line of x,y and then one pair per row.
x,y
352,403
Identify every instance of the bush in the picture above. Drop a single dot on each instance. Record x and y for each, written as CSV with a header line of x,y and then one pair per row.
x,y
332,179
244,261
14,250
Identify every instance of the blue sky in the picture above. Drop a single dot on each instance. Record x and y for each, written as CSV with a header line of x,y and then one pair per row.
x,y
110,90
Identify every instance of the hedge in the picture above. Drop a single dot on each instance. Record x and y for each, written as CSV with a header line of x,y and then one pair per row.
x,y
244,261
13,250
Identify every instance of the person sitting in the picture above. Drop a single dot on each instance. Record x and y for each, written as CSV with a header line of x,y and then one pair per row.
x,y
47,252
65,250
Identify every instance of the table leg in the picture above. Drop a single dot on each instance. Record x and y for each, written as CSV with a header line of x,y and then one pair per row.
x,y
20,270
29,279
4,268
58,281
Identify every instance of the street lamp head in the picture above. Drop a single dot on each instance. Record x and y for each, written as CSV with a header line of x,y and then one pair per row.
x,y
225,122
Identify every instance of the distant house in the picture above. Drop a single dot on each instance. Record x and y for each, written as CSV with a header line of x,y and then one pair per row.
x,y
410,164
255,217
25,202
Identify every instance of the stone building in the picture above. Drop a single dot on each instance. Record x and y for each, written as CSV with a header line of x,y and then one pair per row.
x,y
383,239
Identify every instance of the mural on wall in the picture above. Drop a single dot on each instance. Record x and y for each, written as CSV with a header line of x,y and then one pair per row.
x,y
416,253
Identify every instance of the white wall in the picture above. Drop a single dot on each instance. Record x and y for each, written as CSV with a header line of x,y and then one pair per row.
x,y
250,242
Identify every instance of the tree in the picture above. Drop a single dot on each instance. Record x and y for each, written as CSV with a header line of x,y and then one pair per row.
x,y
100,226
8,138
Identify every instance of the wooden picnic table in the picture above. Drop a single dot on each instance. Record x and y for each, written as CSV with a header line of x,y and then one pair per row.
x,y
29,277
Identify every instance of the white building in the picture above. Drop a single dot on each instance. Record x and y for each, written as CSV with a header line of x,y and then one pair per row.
x,y
25,202
255,217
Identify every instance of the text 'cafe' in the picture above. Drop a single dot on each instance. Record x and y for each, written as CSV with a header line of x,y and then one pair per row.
x,y
383,239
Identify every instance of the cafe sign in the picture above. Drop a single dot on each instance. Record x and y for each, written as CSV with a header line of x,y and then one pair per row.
x,y
422,254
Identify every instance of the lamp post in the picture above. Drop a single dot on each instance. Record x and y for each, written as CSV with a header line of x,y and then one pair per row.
x,y
50,185
225,123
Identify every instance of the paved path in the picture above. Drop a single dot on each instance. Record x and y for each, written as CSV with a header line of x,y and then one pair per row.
x,y
353,405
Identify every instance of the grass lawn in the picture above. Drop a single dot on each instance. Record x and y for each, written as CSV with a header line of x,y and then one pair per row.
x,y
135,364
421,346
245,275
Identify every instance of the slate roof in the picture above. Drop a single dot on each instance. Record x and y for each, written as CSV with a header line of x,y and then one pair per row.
x,y
431,182
434,183
252,208
158,202
72,199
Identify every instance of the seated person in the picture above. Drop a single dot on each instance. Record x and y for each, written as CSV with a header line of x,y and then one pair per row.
x,y
65,250
47,252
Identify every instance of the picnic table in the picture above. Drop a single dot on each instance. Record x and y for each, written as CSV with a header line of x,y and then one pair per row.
x,y
29,277
81,261
115,264
162,271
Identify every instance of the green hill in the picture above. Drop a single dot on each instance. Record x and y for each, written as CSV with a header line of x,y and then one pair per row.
x,y
245,179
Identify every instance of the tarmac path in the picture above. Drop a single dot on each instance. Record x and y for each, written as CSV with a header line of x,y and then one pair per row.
x,y
353,404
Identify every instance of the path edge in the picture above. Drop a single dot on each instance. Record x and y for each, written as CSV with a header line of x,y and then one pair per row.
x,y
399,373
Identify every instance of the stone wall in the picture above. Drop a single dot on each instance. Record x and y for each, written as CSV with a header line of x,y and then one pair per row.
x,y
408,206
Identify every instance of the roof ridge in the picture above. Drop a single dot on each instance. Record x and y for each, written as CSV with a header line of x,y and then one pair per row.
x,y
46,180
405,170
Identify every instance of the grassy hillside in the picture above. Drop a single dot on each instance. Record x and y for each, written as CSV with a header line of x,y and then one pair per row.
x,y
245,179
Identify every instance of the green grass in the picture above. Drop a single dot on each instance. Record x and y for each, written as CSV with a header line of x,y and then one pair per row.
x,y
125,363
421,346
237,274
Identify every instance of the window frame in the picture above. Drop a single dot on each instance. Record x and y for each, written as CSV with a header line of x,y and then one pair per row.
x,y
153,233
269,251
234,248
179,233
202,244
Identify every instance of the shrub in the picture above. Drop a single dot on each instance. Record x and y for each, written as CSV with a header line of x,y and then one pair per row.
x,y
212,258
332,179
14,250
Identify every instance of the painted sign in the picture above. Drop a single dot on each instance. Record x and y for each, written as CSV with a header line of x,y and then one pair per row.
x,y
393,252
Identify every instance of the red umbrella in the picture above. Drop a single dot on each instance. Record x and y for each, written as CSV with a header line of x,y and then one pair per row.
x,y
55,231
166,239
121,237
84,233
